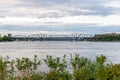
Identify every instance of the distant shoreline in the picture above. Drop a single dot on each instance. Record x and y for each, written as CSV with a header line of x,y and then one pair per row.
x,y
112,37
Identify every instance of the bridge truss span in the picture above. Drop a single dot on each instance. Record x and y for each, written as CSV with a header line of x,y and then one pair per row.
x,y
52,37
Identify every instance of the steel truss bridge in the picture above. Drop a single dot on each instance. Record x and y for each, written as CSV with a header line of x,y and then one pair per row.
x,y
52,37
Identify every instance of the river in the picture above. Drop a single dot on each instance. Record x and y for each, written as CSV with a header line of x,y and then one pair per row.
x,y
58,48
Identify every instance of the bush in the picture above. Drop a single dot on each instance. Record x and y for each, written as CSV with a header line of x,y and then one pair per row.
x,y
114,72
58,69
83,69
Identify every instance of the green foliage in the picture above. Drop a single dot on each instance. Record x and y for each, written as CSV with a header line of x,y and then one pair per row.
x,y
55,63
114,72
24,66
78,62
37,76
5,38
107,37
83,69
58,69
100,68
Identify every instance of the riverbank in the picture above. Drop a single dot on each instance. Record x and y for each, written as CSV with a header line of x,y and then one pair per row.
x,y
81,67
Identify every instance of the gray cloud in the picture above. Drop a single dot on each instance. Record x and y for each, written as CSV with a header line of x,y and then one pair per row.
x,y
91,29
72,7
53,10
75,7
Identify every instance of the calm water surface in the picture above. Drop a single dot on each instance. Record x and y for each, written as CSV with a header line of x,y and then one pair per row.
x,y
59,48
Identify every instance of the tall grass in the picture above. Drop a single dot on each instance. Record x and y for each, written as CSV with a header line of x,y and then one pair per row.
x,y
82,69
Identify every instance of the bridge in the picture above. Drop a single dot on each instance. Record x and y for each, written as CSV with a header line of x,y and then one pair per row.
x,y
52,37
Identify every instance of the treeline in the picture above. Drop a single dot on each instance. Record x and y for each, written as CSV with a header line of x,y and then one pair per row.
x,y
82,69
5,38
106,37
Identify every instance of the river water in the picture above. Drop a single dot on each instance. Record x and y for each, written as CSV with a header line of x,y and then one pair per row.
x,y
58,48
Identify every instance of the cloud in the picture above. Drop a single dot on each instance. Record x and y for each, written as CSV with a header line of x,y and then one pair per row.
x,y
58,13
57,7
60,21
113,4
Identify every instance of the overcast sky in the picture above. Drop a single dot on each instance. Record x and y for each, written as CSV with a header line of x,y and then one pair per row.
x,y
85,16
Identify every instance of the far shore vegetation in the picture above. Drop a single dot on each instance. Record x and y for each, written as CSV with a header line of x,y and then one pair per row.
x,y
59,68
107,37
5,38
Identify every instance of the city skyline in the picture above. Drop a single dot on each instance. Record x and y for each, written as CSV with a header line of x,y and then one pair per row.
x,y
59,16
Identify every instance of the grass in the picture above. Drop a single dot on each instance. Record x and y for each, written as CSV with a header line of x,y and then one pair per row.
x,y
83,69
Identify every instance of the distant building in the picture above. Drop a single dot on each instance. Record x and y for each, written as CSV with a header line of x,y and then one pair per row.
x,y
9,35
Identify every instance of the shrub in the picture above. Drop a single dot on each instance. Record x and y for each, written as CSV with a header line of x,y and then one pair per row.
x,y
114,72
58,69
101,68
83,69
